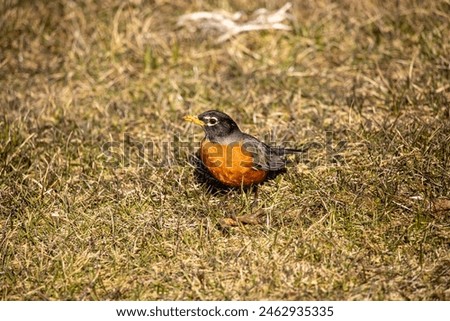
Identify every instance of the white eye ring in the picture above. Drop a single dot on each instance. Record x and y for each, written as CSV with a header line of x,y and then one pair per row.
x,y
212,121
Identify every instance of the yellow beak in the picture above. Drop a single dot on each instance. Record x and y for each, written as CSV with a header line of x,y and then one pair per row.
x,y
194,119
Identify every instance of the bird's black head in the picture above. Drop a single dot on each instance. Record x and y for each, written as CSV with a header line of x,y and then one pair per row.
x,y
215,124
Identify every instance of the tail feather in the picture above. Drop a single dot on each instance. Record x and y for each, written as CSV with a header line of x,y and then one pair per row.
x,y
303,149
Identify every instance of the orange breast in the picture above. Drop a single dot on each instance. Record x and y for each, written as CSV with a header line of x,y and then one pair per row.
x,y
230,164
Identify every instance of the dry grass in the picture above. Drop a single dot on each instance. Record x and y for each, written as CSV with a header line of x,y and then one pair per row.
x,y
366,217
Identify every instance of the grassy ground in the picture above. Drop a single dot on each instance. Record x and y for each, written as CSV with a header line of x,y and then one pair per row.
x,y
93,93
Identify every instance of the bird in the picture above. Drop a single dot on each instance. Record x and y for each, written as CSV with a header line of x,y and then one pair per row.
x,y
234,158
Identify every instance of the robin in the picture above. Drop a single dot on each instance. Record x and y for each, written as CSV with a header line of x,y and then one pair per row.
x,y
233,158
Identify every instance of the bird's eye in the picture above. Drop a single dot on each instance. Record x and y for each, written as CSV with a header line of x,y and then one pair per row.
x,y
212,121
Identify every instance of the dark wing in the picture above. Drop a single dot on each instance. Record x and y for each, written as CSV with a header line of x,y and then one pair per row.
x,y
263,156
271,158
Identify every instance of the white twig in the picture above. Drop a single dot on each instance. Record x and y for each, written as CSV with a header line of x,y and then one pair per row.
x,y
228,23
